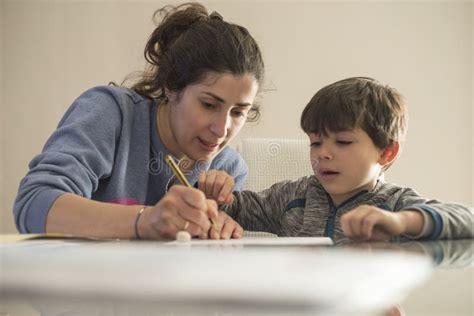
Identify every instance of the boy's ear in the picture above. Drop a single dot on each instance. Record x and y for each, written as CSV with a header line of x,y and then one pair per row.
x,y
389,154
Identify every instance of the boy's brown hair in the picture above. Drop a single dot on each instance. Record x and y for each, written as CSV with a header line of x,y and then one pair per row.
x,y
358,102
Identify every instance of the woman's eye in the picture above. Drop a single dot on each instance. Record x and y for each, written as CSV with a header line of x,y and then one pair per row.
x,y
209,106
238,113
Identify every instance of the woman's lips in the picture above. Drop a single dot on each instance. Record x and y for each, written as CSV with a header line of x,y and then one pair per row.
x,y
208,146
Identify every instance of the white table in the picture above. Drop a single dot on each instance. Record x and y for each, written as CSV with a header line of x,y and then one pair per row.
x,y
74,277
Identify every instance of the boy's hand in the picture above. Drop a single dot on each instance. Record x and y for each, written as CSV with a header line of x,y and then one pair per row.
x,y
225,228
217,185
367,222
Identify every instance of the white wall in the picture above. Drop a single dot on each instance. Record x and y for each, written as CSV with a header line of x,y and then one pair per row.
x,y
53,50
3,222
472,104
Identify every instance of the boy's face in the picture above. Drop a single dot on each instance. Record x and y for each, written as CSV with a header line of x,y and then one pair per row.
x,y
345,163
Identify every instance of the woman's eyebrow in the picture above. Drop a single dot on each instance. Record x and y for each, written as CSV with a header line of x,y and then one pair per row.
x,y
223,101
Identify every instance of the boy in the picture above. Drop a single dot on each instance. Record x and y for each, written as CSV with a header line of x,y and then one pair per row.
x,y
356,127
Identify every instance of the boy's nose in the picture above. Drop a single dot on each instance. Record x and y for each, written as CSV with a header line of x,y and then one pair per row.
x,y
325,153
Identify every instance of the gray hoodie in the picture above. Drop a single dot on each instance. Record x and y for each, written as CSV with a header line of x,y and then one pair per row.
x,y
106,148
303,208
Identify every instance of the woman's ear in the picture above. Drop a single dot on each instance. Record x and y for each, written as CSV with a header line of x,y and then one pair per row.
x,y
170,95
389,154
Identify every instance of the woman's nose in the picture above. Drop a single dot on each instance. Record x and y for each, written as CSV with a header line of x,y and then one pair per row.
x,y
221,125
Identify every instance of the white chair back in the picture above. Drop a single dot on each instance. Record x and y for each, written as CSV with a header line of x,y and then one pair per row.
x,y
274,160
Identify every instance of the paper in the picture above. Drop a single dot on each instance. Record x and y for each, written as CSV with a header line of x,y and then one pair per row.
x,y
9,238
259,241
248,233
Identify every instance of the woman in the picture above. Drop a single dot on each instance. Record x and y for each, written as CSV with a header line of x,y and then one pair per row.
x,y
102,172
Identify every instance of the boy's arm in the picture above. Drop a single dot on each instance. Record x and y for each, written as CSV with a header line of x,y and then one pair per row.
x,y
262,211
411,216
442,220
368,222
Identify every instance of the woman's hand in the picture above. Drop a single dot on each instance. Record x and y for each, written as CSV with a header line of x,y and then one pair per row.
x,y
182,208
217,185
367,222
225,228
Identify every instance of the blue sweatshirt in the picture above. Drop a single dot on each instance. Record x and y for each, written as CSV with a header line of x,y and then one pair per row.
x,y
106,148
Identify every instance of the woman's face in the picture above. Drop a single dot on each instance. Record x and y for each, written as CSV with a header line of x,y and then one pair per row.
x,y
205,116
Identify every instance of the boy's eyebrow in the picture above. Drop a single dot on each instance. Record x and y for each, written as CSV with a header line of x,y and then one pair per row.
x,y
348,130
223,101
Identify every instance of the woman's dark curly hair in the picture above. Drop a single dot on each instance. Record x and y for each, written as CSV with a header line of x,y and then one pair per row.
x,y
188,43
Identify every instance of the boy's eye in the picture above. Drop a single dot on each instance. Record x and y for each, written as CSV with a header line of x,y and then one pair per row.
x,y
315,144
344,142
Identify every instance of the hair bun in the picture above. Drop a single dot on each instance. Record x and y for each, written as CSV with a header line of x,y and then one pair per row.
x,y
216,16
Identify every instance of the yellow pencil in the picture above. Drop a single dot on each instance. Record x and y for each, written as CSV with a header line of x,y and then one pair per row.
x,y
179,174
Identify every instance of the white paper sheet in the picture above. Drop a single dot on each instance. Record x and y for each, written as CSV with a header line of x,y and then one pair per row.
x,y
259,241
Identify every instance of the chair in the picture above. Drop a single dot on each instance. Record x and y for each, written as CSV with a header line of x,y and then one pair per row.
x,y
274,160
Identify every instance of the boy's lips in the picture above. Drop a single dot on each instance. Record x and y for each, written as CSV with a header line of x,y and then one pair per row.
x,y
327,171
327,174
